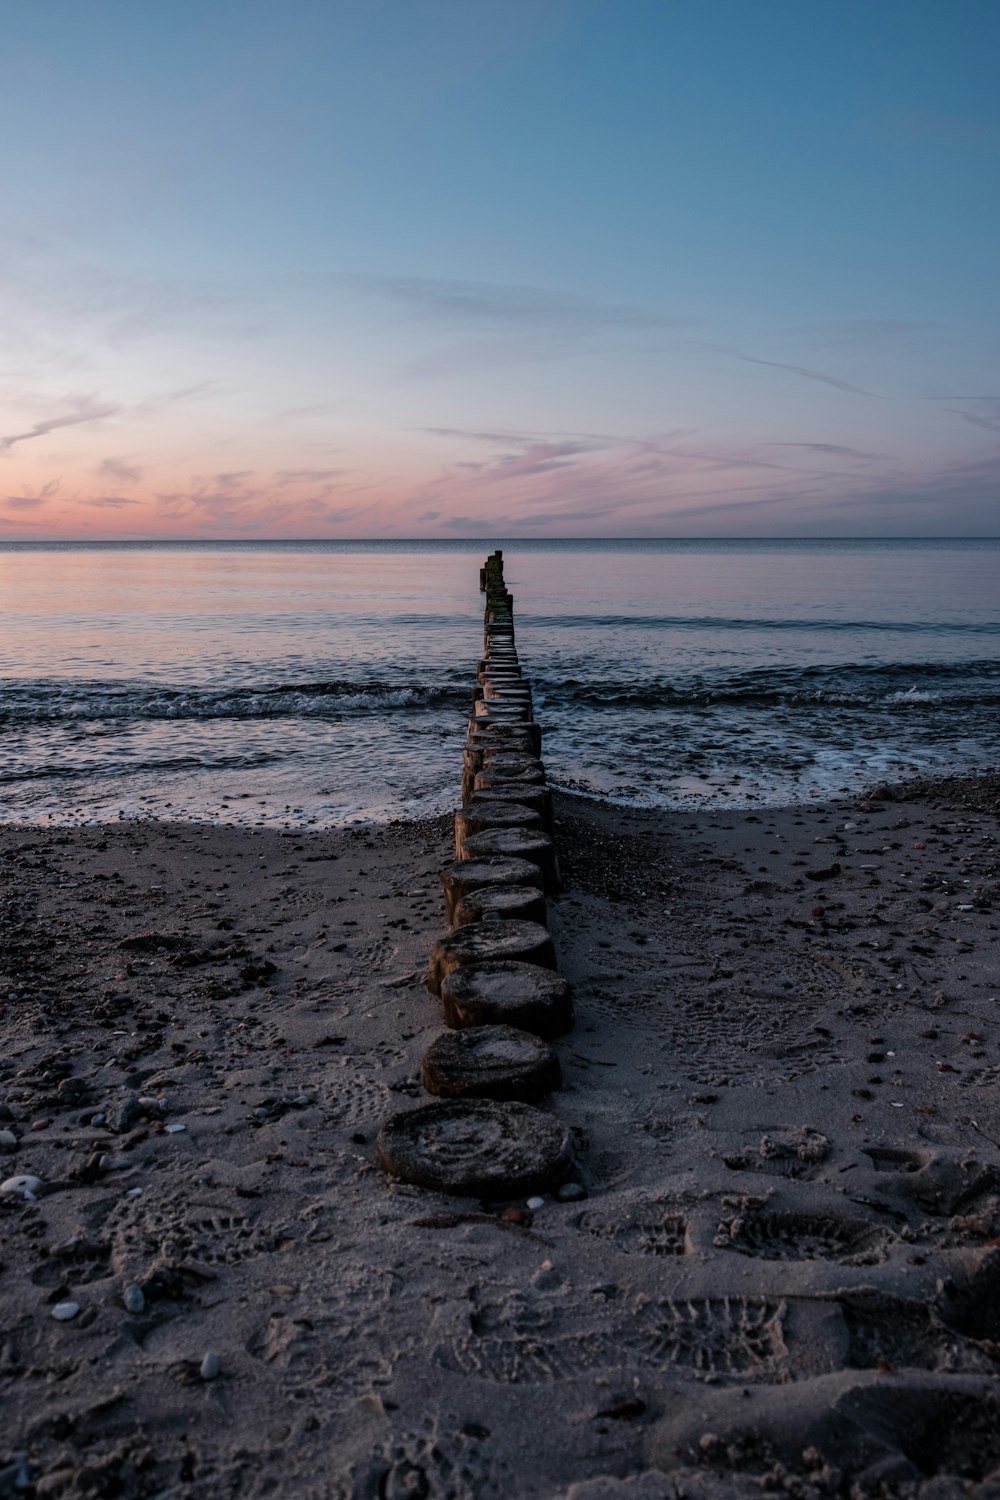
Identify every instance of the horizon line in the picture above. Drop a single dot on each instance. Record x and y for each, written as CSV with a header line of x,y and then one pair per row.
x,y
251,541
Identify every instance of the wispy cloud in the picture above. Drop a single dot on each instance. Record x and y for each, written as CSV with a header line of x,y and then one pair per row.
x,y
987,417
110,502
861,334
306,476
217,496
244,502
480,437
699,346
82,409
120,469
117,308
35,500
975,418
626,464
535,458
685,485
835,450
509,304
152,406
496,525
801,370
20,522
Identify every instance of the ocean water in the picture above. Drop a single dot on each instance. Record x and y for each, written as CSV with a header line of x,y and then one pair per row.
x,y
325,683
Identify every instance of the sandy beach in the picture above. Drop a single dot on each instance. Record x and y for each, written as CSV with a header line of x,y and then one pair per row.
x,y
782,1091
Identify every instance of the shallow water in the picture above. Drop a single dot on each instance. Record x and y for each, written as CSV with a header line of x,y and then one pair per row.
x,y
330,682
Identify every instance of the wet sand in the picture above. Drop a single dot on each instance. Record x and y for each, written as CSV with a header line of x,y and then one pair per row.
x,y
783,1090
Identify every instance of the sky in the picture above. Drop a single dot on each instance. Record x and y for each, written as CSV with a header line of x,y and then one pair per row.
x,y
443,268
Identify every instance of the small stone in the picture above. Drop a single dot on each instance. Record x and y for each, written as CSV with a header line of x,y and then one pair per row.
x,y
534,1203
571,1192
54,1482
210,1366
514,1215
124,1113
16,1475
63,1312
133,1299
8,1142
547,1278
175,1129
23,1185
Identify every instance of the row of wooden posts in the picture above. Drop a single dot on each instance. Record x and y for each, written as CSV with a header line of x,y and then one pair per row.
x,y
505,855
495,969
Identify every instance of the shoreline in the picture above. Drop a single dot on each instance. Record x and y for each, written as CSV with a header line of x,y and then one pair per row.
x,y
441,804
782,1086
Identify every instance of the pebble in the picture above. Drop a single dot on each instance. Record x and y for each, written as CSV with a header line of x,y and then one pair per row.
x,y
24,1185
64,1311
54,1482
8,1141
571,1192
174,1129
124,1113
210,1366
133,1299
547,1278
15,1476
534,1203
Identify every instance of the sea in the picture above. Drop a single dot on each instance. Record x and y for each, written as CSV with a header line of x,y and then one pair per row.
x,y
322,683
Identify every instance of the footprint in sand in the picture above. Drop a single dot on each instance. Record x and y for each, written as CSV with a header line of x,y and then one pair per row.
x,y
516,1339
802,1236
649,1227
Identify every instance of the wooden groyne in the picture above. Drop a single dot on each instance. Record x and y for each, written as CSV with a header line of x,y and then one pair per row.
x,y
495,969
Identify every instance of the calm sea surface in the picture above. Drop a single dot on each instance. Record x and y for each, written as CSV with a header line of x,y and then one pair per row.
x,y
330,682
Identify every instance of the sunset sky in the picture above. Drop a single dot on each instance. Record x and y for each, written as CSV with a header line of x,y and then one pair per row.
x,y
447,268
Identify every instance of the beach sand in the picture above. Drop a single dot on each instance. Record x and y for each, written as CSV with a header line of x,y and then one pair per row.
x,y
783,1092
